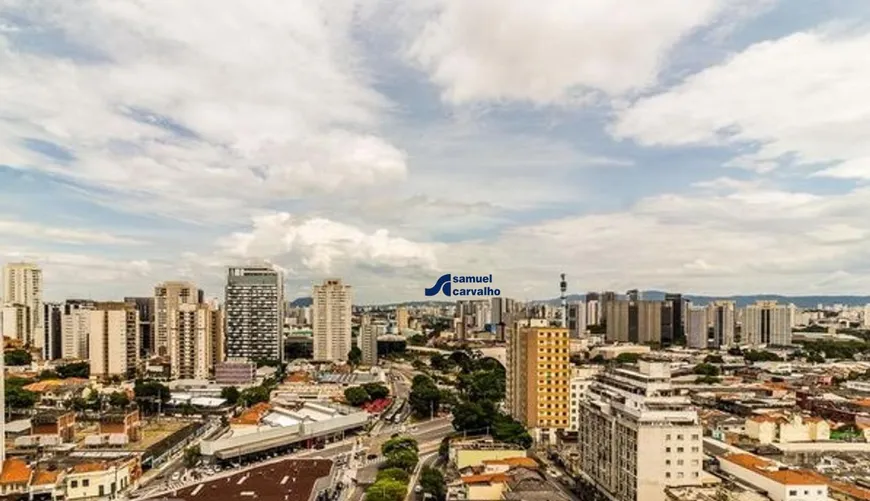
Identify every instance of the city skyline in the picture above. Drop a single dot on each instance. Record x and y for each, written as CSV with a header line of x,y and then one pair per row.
x,y
708,152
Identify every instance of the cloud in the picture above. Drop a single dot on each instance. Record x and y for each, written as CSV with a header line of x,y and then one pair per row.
x,y
257,102
322,246
790,101
554,52
28,230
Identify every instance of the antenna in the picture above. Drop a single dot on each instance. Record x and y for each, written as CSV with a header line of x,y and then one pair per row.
x,y
563,288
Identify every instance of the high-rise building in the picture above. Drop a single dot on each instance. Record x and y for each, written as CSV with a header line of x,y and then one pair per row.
x,y
721,317
333,311
368,341
168,296
145,307
15,322
538,374
673,319
866,318
593,312
192,353
75,329
576,319
53,316
114,340
605,298
637,322
401,318
464,319
22,285
255,314
697,330
767,323
639,434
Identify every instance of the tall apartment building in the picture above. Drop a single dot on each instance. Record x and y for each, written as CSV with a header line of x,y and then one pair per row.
x,y
576,319
581,380
333,312
114,340
593,312
721,316
168,296
639,434
254,314
22,285
697,327
145,307
538,374
673,319
767,323
402,318
637,322
368,341
464,319
53,316
195,339
75,329
15,321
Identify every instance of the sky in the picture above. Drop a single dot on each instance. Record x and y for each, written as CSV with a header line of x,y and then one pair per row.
x,y
711,146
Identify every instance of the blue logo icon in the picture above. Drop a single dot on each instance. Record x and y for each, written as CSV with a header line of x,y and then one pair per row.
x,y
441,285
463,286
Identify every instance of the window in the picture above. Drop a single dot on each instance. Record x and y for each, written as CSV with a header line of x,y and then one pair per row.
x,y
695,437
695,449
74,484
792,493
679,474
679,462
667,437
679,449
667,474
86,483
679,437
667,449
667,462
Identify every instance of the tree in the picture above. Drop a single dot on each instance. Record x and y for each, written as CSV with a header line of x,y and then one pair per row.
x,y
76,369
47,374
386,490
397,444
354,356
191,456
17,357
396,474
254,395
356,396
425,397
230,394
405,459
417,340
706,379
714,359
119,399
706,369
151,393
432,482
19,398
439,362
627,358
761,356
376,391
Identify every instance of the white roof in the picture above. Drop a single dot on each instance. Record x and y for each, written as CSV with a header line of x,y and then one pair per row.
x,y
18,426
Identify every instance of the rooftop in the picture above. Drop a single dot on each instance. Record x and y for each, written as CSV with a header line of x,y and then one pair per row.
x,y
15,471
771,470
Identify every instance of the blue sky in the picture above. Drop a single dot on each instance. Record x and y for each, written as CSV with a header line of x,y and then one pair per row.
x,y
716,146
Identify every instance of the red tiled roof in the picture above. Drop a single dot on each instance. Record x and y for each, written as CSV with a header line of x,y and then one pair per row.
x,y
487,478
15,471
765,468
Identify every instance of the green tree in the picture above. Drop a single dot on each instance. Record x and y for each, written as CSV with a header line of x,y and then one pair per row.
x,y
707,380
254,395
404,459
714,359
399,444
19,398
425,397
376,390
439,362
417,340
706,369
432,482
119,399
627,358
191,456
76,369
356,396
47,374
386,490
761,356
17,357
396,474
354,356
231,394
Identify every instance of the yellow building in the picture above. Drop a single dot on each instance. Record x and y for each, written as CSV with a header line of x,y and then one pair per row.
x,y
538,385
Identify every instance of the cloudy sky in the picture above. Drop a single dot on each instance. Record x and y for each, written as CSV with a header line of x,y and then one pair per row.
x,y
711,146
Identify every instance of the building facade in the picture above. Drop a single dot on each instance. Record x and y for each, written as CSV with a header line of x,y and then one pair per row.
x,y
697,327
168,296
145,307
722,319
75,329
194,341
114,340
22,285
767,323
634,321
576,319
368,341
333,311
254,314
538,380
639,435
53,316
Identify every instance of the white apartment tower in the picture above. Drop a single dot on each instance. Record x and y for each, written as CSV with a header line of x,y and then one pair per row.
x,y
721,316
168,297
333,311
114,340
195,338
22,286
640,435
767,323
255,313
75,326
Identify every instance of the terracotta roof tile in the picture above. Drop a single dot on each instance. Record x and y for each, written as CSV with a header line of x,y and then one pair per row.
x,y
486,478
15,471
765,468
516,461
45,477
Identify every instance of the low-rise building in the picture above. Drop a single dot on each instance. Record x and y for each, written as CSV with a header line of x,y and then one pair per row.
x,y
779,482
